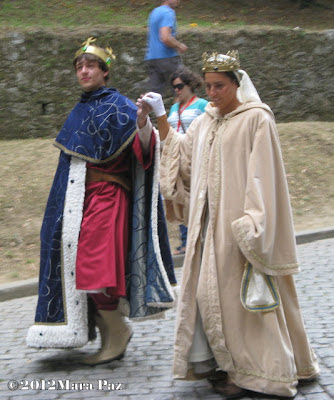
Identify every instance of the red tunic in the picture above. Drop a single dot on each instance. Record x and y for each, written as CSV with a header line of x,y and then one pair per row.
x,y
103,240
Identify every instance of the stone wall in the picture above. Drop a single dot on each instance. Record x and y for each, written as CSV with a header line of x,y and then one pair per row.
x,y
292,70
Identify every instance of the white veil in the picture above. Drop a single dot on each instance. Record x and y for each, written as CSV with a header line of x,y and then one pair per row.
x,y
246,91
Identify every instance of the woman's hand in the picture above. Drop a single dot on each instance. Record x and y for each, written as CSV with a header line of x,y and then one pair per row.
x,y
152,102
155,102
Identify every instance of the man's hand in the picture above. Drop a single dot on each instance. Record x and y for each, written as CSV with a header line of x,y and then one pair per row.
x,y
165,34
142,112
182,48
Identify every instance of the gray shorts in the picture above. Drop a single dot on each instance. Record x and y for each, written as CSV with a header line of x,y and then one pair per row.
x,y
159,72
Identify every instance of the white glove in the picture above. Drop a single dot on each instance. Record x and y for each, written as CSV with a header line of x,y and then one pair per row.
x,y
155,101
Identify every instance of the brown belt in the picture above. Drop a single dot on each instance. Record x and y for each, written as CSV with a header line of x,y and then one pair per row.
x,y
96,175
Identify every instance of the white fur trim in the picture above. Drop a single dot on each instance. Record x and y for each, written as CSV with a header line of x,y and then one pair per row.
x,y
74,333
154,216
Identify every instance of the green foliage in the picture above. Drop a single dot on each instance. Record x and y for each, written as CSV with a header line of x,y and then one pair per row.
x,y
65,14
68,14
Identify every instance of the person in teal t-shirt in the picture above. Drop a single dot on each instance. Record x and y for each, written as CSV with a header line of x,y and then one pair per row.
x,y
188,106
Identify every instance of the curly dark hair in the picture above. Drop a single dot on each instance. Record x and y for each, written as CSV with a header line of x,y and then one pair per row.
x,y
188,77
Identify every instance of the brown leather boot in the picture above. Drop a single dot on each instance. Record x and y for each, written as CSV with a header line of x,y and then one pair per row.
x,y
115,335
195,376
228,389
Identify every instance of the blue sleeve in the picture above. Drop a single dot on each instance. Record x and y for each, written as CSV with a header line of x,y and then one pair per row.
x,y
167,19
202,104
174,108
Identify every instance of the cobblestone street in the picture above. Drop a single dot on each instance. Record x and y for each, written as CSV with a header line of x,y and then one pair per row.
x,y
145,371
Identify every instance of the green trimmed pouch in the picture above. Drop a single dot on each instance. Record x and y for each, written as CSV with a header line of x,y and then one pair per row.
x,y
258,292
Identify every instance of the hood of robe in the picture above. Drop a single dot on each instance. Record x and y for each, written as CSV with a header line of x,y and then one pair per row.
x,y
213,111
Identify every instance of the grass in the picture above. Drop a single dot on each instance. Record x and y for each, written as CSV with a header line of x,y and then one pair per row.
x,y
27,168
70,14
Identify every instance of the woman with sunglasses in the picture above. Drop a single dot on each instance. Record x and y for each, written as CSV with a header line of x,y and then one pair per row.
x,y
188,106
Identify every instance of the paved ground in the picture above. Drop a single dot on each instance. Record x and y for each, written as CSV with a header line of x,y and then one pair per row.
x,y
145,372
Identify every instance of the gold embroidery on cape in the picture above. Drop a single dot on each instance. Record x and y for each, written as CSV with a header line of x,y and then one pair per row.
x,y
218,344
273,378
170,148
63,292
242,233
94,160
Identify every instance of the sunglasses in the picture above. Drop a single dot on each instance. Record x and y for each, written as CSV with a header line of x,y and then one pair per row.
x,y
179,86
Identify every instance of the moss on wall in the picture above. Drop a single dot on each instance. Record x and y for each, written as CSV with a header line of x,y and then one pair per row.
x,y
292,70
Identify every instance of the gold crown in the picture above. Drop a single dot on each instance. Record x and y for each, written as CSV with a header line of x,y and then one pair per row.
x,y
216,62
105,55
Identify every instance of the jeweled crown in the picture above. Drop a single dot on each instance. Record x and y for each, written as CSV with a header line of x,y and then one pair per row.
x,y
216,62
105,55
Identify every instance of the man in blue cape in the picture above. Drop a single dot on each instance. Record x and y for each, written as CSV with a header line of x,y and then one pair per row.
x,y
104,242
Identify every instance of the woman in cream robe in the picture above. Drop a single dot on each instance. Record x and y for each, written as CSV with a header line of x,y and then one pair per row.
x,y
237,305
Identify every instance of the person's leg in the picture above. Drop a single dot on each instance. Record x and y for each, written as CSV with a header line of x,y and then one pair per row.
x,y
203,365
167,66
103,241
183,234
104,301
114,331
200,351
159,72
156,79
100,264
183,231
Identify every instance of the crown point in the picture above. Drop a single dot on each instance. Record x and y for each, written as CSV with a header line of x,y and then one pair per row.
x,y
104,54
216,62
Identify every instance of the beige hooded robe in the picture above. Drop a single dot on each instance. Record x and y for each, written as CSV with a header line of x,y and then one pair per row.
x,y
229,171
